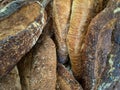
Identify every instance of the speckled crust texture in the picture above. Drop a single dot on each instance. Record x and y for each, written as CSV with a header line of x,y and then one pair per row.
x,y
100,51
61,14
115,86
103,50
38,68
11,81
65,80
22,38
82,13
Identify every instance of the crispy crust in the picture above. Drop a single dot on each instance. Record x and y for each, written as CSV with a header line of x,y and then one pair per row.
x,y
61,13
97,47
38,67
82,13
65,80
19,34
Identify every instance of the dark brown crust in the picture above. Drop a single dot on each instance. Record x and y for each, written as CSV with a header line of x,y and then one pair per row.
x,y
12,48
103,49
92,50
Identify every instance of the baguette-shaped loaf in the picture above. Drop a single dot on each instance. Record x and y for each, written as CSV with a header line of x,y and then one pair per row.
x,y
82,13
100,51
61,13
38,67
19,33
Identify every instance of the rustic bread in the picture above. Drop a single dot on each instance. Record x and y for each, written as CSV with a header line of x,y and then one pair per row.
x,y
19,33
100,50
61,14
81,14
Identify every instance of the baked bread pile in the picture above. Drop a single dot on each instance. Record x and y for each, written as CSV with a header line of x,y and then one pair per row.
x,y
59,44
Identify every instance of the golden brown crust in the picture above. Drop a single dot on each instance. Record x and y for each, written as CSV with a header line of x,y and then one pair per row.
x,y
61,13
82,13
38,67
19,21
11,81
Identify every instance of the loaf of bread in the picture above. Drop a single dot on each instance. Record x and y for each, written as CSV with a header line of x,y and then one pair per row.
x,y
81,14
38,67
61,14
100,52
19,33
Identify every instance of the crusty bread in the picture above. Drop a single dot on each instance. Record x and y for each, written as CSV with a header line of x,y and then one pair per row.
x,y
61,13
98,50
19,33
37,69
82,13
